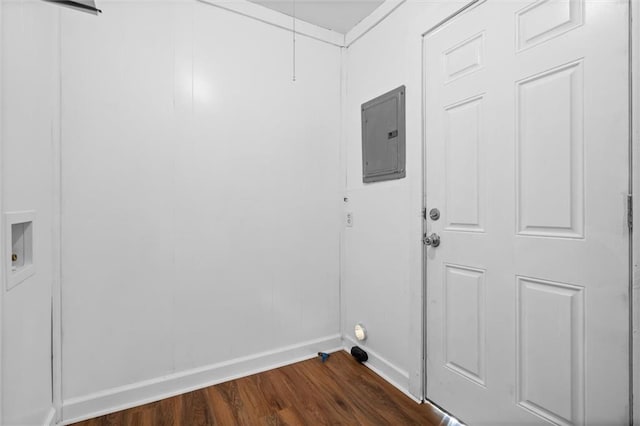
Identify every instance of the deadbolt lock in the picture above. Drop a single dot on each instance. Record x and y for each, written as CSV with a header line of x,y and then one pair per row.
x,y
14,257
432,240
434,214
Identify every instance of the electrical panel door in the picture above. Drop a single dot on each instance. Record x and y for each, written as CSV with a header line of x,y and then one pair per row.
x,y
383,137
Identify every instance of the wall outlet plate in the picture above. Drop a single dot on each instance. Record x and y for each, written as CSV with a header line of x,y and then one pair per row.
x,y
349,219
19,247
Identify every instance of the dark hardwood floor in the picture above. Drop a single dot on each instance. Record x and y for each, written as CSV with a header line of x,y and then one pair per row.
x,y
339,391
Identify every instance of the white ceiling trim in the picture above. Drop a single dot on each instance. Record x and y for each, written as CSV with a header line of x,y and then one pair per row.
x,y
371,21
278,19
283,21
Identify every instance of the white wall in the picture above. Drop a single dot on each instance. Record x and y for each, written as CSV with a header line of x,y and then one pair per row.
x,y
201,198
199,185
29,139
382,252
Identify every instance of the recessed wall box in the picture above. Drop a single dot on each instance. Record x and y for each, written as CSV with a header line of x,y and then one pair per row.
x,y
383,137
19,231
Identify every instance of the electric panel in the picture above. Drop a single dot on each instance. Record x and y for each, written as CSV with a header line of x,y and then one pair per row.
x,y
383,137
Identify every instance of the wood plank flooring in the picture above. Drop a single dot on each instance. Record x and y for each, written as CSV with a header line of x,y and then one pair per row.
x,y
339,391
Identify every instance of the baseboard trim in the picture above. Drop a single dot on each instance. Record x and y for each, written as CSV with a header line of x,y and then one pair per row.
x,y
383,368
124,397
50,420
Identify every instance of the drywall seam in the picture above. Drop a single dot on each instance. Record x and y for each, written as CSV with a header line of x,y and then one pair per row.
x,y
343,181
136,394
383,368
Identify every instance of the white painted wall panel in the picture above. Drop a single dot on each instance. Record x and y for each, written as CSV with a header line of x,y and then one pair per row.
x,y
117,156
201,191
29,37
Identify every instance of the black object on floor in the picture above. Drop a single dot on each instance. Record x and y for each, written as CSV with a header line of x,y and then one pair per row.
x,y
324,356
360,355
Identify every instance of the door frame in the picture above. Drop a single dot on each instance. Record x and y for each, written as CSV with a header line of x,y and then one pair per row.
x,y
633,190
56,250
2,227
423,73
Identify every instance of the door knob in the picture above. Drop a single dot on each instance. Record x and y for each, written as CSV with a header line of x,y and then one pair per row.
x,y
432,240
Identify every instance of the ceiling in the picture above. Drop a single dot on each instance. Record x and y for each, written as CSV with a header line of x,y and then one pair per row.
x,y
336,15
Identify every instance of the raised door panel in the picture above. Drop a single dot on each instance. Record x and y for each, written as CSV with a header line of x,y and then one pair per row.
x,y
547,19
464,189
550,153
551,350
464,327
464,58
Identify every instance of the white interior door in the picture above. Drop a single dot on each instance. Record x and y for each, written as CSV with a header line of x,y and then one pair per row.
x,y
526,133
